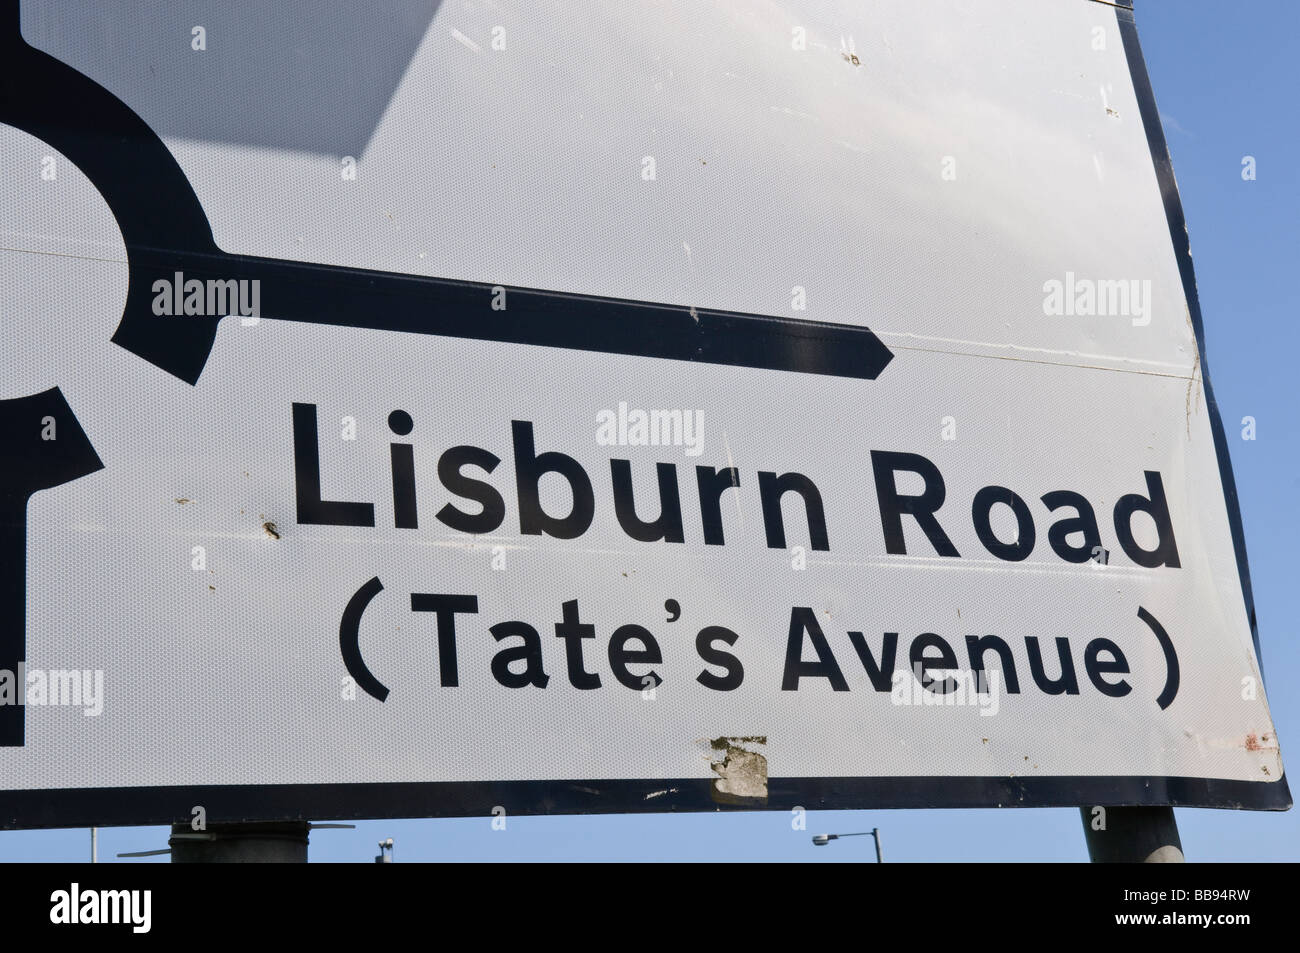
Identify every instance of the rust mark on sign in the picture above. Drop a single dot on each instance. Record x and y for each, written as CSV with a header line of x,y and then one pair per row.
x,y
741,769
270,529
1256,742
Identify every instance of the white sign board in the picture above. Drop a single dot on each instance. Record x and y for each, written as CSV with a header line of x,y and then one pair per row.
x,y
647,408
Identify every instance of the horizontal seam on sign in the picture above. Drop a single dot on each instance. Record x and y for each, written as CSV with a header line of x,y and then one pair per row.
x,y
935,339
1030,360
900,561
988,565
258,534
777,326
59,254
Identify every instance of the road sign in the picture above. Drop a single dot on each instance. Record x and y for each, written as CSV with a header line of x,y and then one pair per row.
x,y
493,412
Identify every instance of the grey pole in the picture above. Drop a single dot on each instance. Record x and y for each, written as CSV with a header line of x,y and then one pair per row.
x,y
264,842
94,845
875,833
1132,835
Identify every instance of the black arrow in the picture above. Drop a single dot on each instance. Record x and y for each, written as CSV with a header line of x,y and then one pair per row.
x,y
45,447
165,230
350,297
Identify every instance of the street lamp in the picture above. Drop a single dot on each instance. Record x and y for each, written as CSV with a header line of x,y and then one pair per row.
x,y
821,840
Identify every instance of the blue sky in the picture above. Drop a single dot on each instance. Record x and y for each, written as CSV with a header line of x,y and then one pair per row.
x,y
1225,76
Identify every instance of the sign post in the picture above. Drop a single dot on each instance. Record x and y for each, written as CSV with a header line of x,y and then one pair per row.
x,y
1133,835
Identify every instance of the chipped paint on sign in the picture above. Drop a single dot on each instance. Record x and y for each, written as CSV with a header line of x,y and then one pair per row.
x,y
741,769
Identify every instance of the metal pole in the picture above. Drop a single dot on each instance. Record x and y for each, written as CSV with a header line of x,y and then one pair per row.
x,y
94,845
875,834
1132,835
252,842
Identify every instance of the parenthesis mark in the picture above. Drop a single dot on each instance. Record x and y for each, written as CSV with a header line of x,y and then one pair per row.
x,y
1171,658
350,639
673,609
